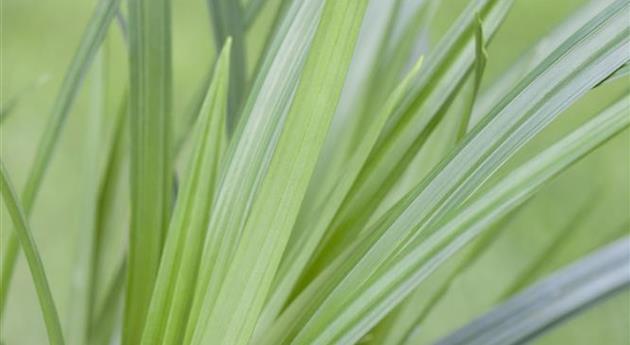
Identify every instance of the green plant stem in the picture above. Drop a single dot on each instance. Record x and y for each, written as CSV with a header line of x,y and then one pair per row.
x,y
151,158
23,233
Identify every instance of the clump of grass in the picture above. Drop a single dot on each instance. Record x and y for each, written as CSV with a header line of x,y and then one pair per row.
x,y
302,216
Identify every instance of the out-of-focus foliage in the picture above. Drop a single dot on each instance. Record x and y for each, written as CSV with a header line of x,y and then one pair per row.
x,y
345,171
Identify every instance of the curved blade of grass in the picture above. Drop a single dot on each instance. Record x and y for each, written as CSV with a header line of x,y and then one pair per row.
x,y
397,327
376,84
621,73
310,227
588,57
102,320
412,34
151,158
481,56
412,314
108,193
178,267
411,124
342,138
232,318
228,20
90,43
441,241
23,233
551,301
379,16
487,238
251,147
534,56
407,268
82,288
192,111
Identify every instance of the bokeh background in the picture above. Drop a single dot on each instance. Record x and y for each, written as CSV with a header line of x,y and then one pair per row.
x,y
38,40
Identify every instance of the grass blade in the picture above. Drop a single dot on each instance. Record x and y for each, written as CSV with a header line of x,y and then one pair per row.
x,y
534,56
83,289
23,233
622,73
228,21
251,147
589,56
151,158
481,56
178,267
552,300
510,193
409,127
412,314
275,209
314,219
90,43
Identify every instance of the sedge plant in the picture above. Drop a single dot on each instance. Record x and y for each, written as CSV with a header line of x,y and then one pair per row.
x,y
335,186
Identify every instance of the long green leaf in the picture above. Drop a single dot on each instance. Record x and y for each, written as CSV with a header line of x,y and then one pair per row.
x,y
528,61
228,20
411,124
311,224
403,320
419,314
551,301
180,261
251,147
23,233
83,289
151,158
275,209
481,56
90,43
412,264
406,321
588,57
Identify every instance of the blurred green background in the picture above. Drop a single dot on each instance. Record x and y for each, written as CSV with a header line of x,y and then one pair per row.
x,y
38,39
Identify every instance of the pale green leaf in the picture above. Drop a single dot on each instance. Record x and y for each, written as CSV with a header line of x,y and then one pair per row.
x,y
83,287
411,124
171,297
228,20
151,158
481,56
251,147
551,301
23,233
275,209
315,218
589,56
